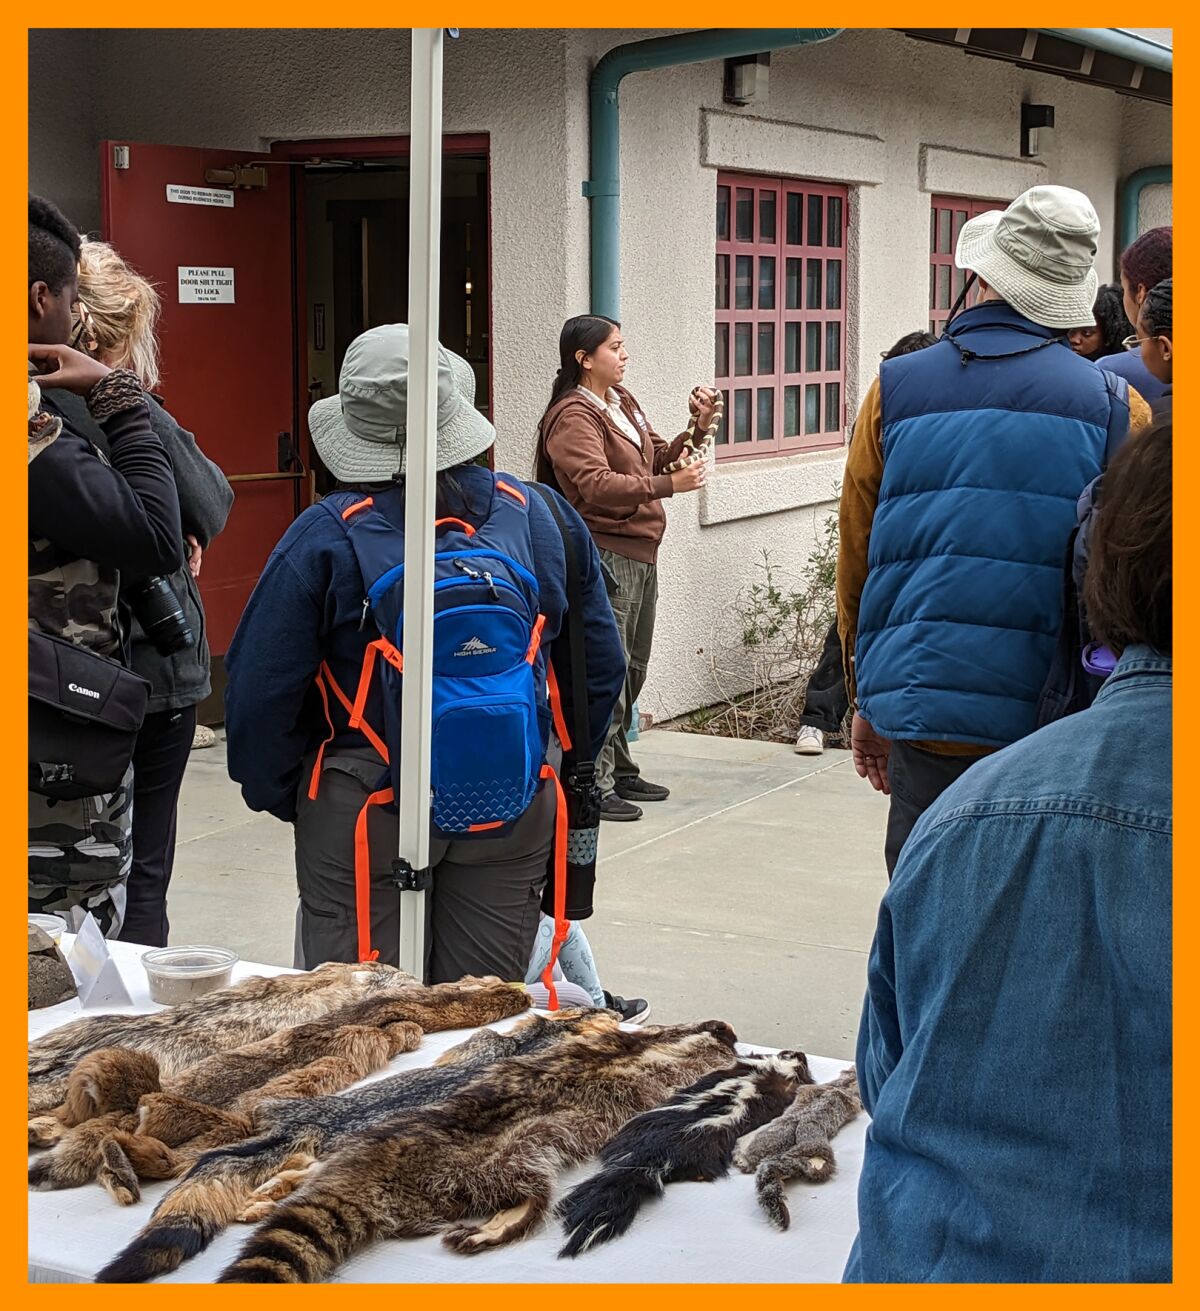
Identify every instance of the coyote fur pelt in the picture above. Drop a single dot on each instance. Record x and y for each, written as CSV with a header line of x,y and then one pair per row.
x,y
797,1144
182,1035
289,1135
493,1149
691,1136
133,1125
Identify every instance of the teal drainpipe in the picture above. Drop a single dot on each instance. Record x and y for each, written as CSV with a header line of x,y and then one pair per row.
x,y
603,189
1131,196
1113,41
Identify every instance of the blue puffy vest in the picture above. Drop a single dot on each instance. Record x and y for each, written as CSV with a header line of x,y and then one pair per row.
x,y
988,439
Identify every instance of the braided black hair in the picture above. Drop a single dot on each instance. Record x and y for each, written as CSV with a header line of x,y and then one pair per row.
x,y
54,245
1156,310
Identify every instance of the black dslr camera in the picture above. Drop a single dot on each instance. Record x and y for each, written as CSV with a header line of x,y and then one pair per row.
x,y
154,603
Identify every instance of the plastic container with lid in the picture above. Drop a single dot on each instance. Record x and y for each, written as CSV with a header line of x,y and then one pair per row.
x,y
180,974
54,925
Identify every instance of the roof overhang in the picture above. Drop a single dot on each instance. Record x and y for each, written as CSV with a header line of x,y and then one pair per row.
x,y
1109,57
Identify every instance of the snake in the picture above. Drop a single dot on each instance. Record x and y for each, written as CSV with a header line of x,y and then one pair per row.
x,y
696,447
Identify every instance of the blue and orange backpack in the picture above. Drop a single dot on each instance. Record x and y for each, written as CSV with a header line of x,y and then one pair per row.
x,y
491,679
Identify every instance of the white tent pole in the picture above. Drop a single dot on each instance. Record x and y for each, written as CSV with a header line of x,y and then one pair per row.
x,y
424,255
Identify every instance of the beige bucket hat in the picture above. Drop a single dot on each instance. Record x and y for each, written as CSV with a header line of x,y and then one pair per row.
x,y
361,434
1039,254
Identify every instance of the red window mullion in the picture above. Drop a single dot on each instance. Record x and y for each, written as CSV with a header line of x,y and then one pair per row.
x,y
778,248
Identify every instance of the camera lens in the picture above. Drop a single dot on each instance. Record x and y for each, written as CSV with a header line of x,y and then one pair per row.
x,y
157,609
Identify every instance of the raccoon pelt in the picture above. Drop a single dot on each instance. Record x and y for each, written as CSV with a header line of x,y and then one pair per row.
x,y
797,1144
114,1079
182,1035
290,1135
691,1136
209,1104
493,1149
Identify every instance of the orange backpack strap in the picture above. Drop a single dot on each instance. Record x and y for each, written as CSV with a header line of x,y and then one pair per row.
x,y
467,528
352,510
315,781
362,873
326,683
355,710
562,926
536,640
556,708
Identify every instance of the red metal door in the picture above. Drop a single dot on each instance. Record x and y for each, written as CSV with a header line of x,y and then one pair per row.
x,y
228,351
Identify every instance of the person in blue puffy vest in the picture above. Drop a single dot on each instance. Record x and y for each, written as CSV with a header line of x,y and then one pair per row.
x,y
1015,1050
958,500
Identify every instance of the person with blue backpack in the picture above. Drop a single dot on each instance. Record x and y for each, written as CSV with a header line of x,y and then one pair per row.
x,y
315,672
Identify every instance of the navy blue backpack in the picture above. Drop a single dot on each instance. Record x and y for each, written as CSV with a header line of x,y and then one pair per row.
x,y
489,672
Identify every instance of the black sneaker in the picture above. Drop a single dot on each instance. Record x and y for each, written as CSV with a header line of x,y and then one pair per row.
x,y
637,789
612,807
632,1010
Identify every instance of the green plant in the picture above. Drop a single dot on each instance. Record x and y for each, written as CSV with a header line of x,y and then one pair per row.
x,y
768,642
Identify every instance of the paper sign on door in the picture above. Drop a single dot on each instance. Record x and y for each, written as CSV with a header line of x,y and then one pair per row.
x,y
205,286
177,195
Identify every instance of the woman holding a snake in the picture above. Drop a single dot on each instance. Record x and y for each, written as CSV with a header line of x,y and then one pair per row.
x,y
597,448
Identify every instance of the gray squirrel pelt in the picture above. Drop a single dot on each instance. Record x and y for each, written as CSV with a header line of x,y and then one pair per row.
x,y
796,1145
691,1136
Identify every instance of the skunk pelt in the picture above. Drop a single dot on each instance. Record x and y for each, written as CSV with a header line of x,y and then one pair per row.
x,y
691,1136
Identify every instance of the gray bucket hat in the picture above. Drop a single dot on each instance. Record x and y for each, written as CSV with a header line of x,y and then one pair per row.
x,y
1039,254
361,434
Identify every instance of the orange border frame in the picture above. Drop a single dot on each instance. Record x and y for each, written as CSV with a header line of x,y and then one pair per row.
x,y
701,13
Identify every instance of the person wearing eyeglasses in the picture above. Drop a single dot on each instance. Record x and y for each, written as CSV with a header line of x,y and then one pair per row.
x,y
1145,263
1153,340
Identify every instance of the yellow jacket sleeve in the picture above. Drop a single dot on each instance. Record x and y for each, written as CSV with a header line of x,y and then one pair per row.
x,y
860,494
1139,412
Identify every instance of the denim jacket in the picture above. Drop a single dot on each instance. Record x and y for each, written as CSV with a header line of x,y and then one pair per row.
x,y
1015,1045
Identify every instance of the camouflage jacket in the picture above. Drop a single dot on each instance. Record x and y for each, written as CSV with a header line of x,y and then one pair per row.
x,y
68,598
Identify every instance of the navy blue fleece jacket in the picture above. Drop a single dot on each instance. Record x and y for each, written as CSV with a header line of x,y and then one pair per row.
x,y
307,608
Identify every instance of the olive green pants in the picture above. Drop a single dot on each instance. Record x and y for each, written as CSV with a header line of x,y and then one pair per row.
x,y
634,607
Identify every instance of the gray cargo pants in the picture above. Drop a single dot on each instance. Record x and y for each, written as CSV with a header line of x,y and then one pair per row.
x,y
634,608
482,914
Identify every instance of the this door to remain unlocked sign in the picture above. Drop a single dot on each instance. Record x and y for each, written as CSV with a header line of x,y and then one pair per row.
x,y
222,262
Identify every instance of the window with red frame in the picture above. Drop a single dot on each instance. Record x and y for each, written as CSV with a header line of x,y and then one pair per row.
x,y
947,214
780,315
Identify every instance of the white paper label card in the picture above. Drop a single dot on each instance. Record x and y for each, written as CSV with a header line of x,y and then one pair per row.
x,y
178,195
205,286
96,974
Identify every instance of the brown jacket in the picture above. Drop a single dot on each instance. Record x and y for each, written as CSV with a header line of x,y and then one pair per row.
x,y
617,489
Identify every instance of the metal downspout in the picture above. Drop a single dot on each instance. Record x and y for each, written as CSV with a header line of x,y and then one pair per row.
x,y
603,189
1113,41
1131,197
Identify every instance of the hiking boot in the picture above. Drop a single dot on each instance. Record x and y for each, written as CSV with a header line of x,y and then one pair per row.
x,y
637,789
809,741
612,807
632,1010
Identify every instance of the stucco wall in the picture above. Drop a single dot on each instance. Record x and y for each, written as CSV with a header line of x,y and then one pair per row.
x,y
893,118
896,120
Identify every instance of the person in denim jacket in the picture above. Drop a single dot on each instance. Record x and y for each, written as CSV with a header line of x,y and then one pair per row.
x,y
1015,1045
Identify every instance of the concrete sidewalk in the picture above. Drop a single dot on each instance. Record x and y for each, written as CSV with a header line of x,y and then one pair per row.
x,y
750,895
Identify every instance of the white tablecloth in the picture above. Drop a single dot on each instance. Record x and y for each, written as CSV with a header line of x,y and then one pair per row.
x,y
698,1233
